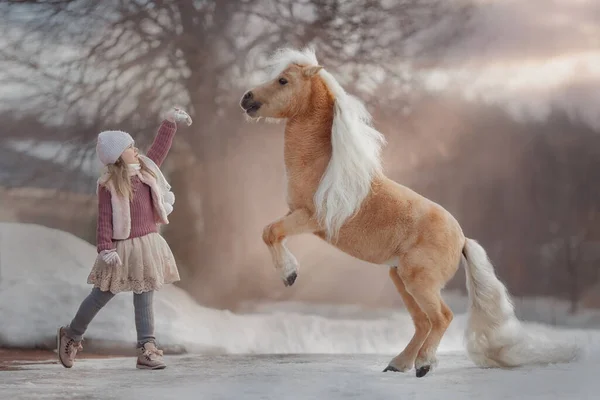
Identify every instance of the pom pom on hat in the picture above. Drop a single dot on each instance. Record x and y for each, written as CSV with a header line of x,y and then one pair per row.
x,y
111,144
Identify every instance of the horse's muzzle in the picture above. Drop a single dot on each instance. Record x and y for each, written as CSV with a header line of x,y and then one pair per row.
x,y
249,104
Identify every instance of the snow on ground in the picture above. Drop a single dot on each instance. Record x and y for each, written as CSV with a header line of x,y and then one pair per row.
x,y
43,276
282,350
293,377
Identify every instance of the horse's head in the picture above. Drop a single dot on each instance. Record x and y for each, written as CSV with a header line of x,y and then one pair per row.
x,y
283,96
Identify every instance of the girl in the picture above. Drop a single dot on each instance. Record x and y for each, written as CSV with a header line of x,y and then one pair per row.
x,y
133,198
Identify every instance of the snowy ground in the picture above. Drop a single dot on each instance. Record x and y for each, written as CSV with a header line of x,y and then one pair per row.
x,y
297,377
282,350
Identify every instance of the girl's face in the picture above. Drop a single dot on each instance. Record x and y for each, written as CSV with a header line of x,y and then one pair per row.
x,y
130,155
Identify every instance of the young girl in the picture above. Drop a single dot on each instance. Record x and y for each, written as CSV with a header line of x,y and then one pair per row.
x,y
133,198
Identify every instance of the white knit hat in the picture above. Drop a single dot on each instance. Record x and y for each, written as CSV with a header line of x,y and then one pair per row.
x,y
111,144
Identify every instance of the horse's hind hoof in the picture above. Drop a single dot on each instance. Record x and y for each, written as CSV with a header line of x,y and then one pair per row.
x,y
290,279
421,372
391,368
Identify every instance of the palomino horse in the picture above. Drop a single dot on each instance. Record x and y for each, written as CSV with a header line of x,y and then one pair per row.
x,y
336,190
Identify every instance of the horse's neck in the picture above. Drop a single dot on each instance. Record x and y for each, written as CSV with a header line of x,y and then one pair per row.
x,y
306,141
308,133
307,148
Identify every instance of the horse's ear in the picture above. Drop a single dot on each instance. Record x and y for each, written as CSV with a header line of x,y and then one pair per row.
x,y
311,71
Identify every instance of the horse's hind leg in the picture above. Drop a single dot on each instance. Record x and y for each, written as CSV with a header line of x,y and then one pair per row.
x,y
274,235
422,284
405,360
426,357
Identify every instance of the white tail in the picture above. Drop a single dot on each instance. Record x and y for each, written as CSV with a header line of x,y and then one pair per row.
x,y
494,335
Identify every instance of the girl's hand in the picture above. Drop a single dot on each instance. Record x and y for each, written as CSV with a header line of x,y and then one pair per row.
x,y
111,258
178,115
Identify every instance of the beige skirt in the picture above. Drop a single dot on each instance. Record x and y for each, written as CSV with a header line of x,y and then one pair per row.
x,y
148,264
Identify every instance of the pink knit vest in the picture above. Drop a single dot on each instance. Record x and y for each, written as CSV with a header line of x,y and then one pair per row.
x,y
143,219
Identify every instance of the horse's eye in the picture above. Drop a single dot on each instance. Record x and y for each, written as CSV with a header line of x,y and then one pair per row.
x,y
282,81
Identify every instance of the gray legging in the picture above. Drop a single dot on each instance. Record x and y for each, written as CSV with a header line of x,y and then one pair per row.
x,y
144,314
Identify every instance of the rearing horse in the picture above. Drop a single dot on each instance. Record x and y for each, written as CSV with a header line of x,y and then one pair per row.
x,y
337,191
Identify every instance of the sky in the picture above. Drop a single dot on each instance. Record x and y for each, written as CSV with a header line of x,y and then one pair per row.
x,y
529,57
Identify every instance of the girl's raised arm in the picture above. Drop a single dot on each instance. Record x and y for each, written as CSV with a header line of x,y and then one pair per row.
x,y
166,132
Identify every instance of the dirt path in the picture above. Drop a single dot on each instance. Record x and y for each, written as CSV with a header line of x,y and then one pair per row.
x,y
11,359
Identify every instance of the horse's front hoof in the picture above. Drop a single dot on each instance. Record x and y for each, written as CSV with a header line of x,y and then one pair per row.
x,y
290,279
421,372
391,368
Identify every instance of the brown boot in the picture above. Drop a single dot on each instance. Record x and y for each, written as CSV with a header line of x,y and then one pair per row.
x,y
67,348
149,357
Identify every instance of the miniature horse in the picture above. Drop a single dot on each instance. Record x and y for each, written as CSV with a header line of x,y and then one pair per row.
x,y
337,191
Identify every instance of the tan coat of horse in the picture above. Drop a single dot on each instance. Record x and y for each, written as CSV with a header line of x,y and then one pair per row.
x,y
337,191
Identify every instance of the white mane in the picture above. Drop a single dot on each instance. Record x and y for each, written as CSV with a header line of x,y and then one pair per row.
x,y
356,148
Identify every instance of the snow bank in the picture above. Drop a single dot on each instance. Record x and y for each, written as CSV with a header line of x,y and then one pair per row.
x,y
43,276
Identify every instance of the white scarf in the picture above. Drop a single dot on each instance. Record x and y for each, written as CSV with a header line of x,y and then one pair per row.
x,y
133,168
162,197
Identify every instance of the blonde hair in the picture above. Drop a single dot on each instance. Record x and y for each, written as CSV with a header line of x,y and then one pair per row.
x,y
119,176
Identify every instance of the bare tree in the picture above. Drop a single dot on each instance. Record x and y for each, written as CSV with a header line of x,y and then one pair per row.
x,y
85,65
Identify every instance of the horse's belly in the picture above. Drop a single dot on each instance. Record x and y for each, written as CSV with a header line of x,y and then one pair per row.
x,y
371,247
